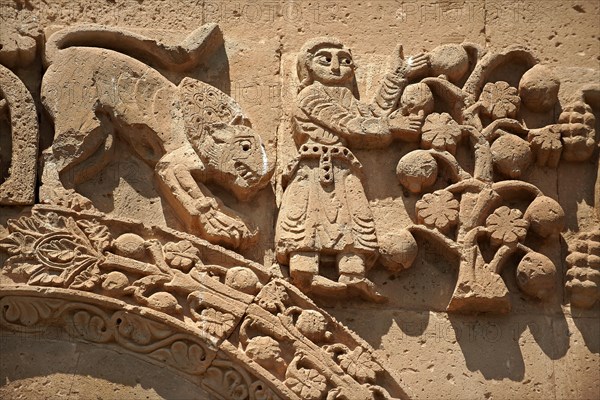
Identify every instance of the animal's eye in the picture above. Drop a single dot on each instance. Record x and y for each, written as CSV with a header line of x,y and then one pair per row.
x,y
346,61
245,145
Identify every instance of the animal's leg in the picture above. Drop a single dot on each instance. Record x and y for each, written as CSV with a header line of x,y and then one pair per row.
x,y
195,205
65,168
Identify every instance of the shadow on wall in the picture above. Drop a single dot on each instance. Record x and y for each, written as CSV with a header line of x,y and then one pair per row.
x,y
588,325
498,346
45,364
493,346
217,74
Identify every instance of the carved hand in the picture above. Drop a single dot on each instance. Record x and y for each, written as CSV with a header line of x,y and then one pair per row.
x,y
405,126
414,67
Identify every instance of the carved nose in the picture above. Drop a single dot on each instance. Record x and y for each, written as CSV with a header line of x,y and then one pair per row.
x,y
335,65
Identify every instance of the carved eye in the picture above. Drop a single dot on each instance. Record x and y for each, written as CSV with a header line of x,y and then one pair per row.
x,y
323,60
245,145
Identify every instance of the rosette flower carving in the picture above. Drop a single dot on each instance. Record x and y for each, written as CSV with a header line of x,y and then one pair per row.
x,y
438,210
358,363
499,100
181,255
440,132
546,145
506,226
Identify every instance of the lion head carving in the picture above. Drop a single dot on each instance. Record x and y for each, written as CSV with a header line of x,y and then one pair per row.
x,y
232,152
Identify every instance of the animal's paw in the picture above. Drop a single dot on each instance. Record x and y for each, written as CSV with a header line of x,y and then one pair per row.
x,y
68,198
227,229
206,204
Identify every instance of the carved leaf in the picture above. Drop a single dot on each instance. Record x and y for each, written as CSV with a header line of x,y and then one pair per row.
x,y
189,358
308,383
26,312
87,279
272,297
60,251
32,226
46,278
90,327
236,387
359,364
546,145
135,330
181,255
215,322
22,267
17,243
99,235
139,330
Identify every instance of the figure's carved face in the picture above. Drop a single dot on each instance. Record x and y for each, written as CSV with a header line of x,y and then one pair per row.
x,y
239,159
332,66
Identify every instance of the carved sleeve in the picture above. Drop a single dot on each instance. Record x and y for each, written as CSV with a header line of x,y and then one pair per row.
x,y
340,115
387,97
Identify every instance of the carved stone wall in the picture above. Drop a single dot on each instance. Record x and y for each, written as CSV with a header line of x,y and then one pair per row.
x,y
299,200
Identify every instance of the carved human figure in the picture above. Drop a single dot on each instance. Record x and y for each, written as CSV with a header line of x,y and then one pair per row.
x,y
325,214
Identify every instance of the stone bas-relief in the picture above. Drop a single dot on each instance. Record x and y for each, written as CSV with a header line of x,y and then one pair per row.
x,y
188,133
19,143
168,297
172,298
477,147
325,213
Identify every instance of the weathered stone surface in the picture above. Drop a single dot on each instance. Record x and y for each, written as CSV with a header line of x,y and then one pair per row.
x,y
19,141
299,200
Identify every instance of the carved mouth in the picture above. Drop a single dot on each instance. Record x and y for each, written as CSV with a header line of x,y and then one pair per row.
x,y
245,172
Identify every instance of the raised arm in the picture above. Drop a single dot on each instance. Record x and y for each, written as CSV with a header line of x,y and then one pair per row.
x,y
389,93
342,116
395,82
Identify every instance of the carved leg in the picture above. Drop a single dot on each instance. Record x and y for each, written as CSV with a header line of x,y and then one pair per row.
x,y
304,272
352,270
64,168
197,208
303,268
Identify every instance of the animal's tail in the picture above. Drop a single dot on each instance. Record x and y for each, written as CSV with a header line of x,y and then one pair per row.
x,y
194,48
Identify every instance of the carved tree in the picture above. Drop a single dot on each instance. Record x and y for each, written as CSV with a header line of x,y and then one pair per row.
x,y
476,217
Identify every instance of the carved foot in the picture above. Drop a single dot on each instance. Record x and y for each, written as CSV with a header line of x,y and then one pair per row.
x,y
362,287
326,287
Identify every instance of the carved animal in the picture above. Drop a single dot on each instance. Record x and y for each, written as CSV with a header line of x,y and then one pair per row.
x,y
188,133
